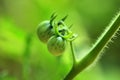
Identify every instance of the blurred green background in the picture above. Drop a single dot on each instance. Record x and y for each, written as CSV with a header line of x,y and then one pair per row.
x,y
24,57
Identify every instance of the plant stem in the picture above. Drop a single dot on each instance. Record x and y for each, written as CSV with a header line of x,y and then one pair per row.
x,y
96,49
73,55
26,59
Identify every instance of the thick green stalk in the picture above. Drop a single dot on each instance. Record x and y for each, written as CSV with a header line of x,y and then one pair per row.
x,y
96,49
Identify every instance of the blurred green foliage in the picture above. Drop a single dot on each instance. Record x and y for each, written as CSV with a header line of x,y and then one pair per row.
x,y
24,57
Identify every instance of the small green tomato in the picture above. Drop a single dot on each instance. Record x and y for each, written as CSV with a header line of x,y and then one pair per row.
x,y
56,45
45,31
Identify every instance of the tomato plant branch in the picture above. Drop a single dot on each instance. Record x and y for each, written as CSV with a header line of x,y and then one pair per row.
x,y
96,50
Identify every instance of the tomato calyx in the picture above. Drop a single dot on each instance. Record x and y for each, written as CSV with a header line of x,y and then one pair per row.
x,y
63,31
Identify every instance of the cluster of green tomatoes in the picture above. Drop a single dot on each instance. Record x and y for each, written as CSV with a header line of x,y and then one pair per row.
x,y
55,35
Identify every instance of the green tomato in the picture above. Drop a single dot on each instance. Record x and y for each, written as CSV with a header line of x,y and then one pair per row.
x,y
56,45
45,31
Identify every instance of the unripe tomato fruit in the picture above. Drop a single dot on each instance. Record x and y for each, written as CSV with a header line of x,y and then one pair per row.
x,y
56,45
45,31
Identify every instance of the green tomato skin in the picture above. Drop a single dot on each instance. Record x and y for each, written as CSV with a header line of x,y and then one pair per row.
x,y
56,45
45,31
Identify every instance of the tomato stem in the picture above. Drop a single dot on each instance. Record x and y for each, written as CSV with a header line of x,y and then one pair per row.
x,y
73,54
96,50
